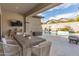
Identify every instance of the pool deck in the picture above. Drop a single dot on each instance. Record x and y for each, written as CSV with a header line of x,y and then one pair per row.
x,y
61,46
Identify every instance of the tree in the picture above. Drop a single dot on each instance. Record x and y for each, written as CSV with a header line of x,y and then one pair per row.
x,y
77,18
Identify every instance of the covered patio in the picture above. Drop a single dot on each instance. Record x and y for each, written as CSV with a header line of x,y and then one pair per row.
x,y
20,28
26,38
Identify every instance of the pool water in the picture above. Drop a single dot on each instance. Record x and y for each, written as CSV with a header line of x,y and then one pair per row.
x,y
49,33
56,33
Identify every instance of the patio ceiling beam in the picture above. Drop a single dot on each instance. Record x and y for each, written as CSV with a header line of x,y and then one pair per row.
x,y
36,8
40,7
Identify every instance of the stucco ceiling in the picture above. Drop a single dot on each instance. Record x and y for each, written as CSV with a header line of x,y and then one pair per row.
x,y
27,8
18,7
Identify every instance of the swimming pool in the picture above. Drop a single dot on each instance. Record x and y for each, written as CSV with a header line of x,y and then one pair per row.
x,y
65,33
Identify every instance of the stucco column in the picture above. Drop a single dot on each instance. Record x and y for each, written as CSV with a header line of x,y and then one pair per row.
x,y
0,24
24,27
0,27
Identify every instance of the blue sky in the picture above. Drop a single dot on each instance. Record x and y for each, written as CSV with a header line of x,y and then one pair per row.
x,y
67,10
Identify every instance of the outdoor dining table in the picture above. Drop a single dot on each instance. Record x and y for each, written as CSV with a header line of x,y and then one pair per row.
x,y
27,42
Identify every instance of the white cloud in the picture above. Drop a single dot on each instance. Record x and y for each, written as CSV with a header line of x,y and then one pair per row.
x,y
52,18
62,6
44,20
65,5
66,15
53,8
40,14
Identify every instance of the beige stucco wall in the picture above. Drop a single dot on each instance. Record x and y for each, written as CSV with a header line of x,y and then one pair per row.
x,y
6,16
33,25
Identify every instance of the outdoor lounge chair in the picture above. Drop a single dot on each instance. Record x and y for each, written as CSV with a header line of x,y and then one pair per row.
x,y
73,38
10,49
43,49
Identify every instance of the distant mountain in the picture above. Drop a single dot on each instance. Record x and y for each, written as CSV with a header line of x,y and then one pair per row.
x,y
60,20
